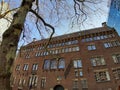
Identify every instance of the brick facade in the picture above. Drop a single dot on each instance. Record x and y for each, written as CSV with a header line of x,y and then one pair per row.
x,y
85,60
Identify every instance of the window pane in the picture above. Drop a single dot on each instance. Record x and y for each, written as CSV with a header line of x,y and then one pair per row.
x,y
61,63
89,47
46,64
79,63
93,47
75,64
81,73
53,64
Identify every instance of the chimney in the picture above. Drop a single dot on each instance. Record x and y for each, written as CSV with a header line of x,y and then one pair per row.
x,y
104,24
34,39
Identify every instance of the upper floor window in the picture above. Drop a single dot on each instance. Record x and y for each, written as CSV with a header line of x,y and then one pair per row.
x,y
35,67
91,47
107,44
102,75
97,61
78,73
77,63
27,56
61,63
46,64
53,64
115,43
17,67
111,44
116,58
37,54
75,48
25,67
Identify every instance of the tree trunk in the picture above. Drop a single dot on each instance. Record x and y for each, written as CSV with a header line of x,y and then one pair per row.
x,y
10,42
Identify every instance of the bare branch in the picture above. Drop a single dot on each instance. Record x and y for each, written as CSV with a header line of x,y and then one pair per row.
x,y
46,24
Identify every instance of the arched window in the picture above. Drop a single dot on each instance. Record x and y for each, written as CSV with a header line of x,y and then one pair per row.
x,y
61,64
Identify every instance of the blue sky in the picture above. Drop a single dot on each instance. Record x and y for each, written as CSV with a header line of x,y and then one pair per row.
x,y
97,14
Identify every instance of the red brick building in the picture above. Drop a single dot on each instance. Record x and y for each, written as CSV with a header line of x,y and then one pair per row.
x,y
85,60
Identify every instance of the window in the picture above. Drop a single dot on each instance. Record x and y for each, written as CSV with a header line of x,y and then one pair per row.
x,y
75,48
75,85
70,49
35,67
20,82
46,64
27,56
66,49
83,40
111,44
43,81
74,41
59,50
97,61
63,50
56,51
78,73
116,73
107,45
53,64
116,58
115,43
17,67
25,67
33,81
101,37
84,84
23,82
37,54
91,47
61,64
77,63
101,76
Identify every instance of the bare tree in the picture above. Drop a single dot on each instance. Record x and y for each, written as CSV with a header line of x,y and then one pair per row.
x,y
38,12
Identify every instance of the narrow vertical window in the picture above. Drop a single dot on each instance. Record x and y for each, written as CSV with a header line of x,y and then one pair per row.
x,y
46,64
61,64
35,67
53,64
25,68
43,81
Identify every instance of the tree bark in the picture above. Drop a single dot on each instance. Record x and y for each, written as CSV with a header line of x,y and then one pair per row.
x,y
10,43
